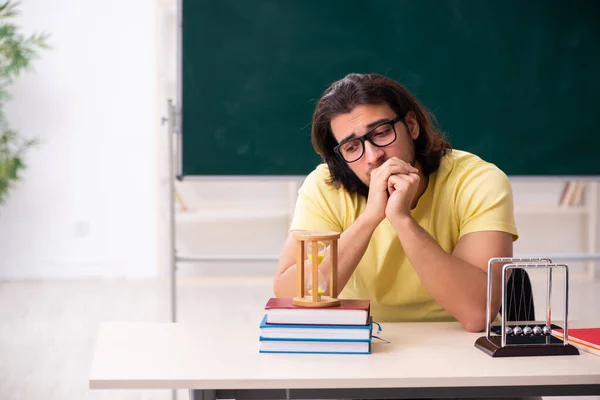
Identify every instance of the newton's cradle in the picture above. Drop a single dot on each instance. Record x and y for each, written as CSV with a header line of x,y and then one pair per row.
x,y
525,338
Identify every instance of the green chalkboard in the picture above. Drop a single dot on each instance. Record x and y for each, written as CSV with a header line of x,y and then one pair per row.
x,y
517,82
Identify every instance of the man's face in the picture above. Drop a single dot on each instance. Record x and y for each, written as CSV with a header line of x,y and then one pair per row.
x,y
361,120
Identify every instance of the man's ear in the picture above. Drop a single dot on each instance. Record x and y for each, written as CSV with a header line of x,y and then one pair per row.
x,y
412,124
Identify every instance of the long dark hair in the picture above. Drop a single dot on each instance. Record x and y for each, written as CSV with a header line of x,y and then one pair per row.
x,y
372,89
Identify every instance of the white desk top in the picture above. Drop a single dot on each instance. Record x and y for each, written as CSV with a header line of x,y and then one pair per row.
x,y
177,356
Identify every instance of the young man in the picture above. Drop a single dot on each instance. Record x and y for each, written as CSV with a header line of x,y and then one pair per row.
x,y
418,220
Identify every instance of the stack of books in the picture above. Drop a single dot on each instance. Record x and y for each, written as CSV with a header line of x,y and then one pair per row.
x,y
343,329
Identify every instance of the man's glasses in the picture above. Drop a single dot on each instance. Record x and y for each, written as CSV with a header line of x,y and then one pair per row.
x,y
382,135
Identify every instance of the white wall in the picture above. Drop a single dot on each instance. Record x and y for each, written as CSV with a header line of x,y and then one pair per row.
x,y
87,205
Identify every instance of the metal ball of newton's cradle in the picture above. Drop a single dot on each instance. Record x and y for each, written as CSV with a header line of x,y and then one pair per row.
x,y
517,331
509,331
537,331
546,330
527,331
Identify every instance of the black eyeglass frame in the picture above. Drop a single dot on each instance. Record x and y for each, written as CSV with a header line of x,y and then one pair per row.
x,y
367,137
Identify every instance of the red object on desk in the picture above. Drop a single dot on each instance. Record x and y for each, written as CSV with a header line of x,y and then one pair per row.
x,y
586,339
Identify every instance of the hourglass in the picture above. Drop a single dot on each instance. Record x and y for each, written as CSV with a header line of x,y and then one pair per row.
x,y
314,247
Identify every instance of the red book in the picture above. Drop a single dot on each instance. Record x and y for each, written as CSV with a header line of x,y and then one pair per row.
x,y
586,339
349,312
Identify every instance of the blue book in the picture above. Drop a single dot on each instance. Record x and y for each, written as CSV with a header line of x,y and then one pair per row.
x,y
315,346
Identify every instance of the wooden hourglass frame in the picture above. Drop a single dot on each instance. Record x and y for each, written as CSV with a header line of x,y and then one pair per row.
x,y
315,299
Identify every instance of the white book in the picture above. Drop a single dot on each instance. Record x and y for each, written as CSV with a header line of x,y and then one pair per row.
x,y
315,332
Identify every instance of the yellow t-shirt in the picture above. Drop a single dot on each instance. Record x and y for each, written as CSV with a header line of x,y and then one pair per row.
x,y
466,194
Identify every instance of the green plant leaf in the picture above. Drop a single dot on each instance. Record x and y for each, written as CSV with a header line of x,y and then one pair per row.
x,y
17,51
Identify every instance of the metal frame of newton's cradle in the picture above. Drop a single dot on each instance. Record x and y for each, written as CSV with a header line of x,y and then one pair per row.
x,y
175,172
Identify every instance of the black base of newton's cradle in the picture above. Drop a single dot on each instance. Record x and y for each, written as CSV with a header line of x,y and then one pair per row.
x,y
492,347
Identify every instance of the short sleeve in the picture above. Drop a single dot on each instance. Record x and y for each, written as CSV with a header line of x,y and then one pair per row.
x,y
318,206
485,202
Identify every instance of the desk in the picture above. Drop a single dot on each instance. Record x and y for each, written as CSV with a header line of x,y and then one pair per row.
x,y
422,360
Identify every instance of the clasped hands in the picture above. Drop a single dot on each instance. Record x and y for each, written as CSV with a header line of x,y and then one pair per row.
x,y
392,189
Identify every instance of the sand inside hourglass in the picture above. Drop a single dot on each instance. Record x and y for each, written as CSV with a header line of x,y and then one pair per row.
x,y
322,282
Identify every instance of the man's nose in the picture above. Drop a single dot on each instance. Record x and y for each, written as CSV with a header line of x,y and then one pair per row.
x,y
372,153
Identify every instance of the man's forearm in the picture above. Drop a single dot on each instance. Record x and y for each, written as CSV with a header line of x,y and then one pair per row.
x,y
456,285
352,245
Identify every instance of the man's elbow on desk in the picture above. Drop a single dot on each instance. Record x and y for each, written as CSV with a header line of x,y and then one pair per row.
x,y
472,319
283,288
474,324
277,289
